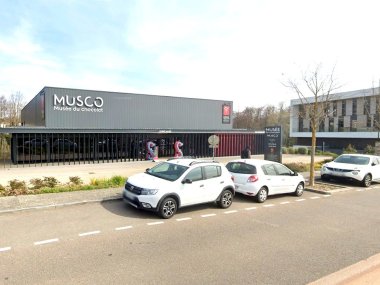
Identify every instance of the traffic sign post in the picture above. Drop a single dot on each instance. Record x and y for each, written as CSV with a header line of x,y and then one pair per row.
x,y
213,141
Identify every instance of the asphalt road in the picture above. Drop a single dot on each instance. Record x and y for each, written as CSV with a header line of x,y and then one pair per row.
x,y
286,240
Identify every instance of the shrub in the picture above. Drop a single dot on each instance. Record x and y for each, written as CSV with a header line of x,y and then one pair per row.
x,y
37,183
75,180
50,182
17,187
284,150
369,149
302,150
291,150
350,149
2,190
117,180
298,166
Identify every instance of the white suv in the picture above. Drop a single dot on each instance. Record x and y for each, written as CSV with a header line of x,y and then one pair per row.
x,y
357,167
177,183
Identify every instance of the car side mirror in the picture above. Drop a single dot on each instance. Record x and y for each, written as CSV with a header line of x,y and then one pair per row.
x,y
294,173
146,170
187,181
373,164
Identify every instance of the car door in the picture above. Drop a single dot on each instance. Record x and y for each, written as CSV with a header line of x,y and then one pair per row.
x,y
193,187
272,180
288,182
375,168
214,182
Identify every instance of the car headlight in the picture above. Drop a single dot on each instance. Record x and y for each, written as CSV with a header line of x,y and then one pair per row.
x,y
324,168
146,191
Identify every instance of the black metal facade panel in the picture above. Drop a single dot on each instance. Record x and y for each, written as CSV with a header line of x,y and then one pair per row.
x,y
87,109
33,114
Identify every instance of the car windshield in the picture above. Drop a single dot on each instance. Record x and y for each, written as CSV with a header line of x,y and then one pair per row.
x,y
353,159
167,171
241,167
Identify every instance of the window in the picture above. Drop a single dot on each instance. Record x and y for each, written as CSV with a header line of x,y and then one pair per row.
x,y
195,174
212,171
269,169
354,106
340,124
344,108
282,170
243,168
331,124
322,125
335,108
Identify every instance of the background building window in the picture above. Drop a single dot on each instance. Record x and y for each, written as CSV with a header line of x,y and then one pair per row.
x,y
354,106
344,108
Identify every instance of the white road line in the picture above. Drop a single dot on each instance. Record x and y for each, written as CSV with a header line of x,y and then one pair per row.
x,y
252,208
123,228
41,242
315,197
208,215
326,196
89,233
183,219
360,190
230,212
154,223
300,200
286,202
5,248
268,205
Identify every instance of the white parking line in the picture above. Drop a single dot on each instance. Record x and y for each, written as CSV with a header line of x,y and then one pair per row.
x,y
252,208
154,223
359,190
268,205
230,212
123,228
183,219
208,215
89,233
300,200
286,202
41,242
5,248
315,197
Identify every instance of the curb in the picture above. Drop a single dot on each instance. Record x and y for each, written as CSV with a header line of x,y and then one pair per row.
x,y
55,200
362,269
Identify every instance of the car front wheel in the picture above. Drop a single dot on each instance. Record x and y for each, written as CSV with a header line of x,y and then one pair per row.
x,y
299,190
262,195
168,208
225,199
366,182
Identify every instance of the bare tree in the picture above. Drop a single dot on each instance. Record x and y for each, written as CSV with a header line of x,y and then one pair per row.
x,y
3,109
315,94
15,104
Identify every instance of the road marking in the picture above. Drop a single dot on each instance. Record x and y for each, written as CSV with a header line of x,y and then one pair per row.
x,y
300,200
123,228
269,205
208,215
154,223
41,242
230,212
183,219
5,248
315,197
252,208
286,202
89,233
359,190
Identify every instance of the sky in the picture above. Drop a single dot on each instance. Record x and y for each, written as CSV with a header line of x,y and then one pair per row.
x,y
236,50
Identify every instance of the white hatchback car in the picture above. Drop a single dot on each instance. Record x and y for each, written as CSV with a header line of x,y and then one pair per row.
x,y
361,168
177,183
261,178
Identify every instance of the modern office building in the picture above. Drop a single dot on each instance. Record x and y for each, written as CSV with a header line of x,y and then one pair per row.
x,y
62,125
350,118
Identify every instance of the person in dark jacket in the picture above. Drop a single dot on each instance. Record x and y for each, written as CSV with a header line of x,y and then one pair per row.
x,y
246,153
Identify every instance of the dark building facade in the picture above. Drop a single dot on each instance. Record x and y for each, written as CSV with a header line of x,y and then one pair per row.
x,y
61,125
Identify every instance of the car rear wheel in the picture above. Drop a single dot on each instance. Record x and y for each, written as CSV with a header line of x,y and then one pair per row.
x,y
225,199
262,195
299,190
366,182
168,208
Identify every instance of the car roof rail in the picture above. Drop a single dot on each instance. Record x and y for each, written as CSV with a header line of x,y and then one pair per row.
x,y
203,161
182,157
